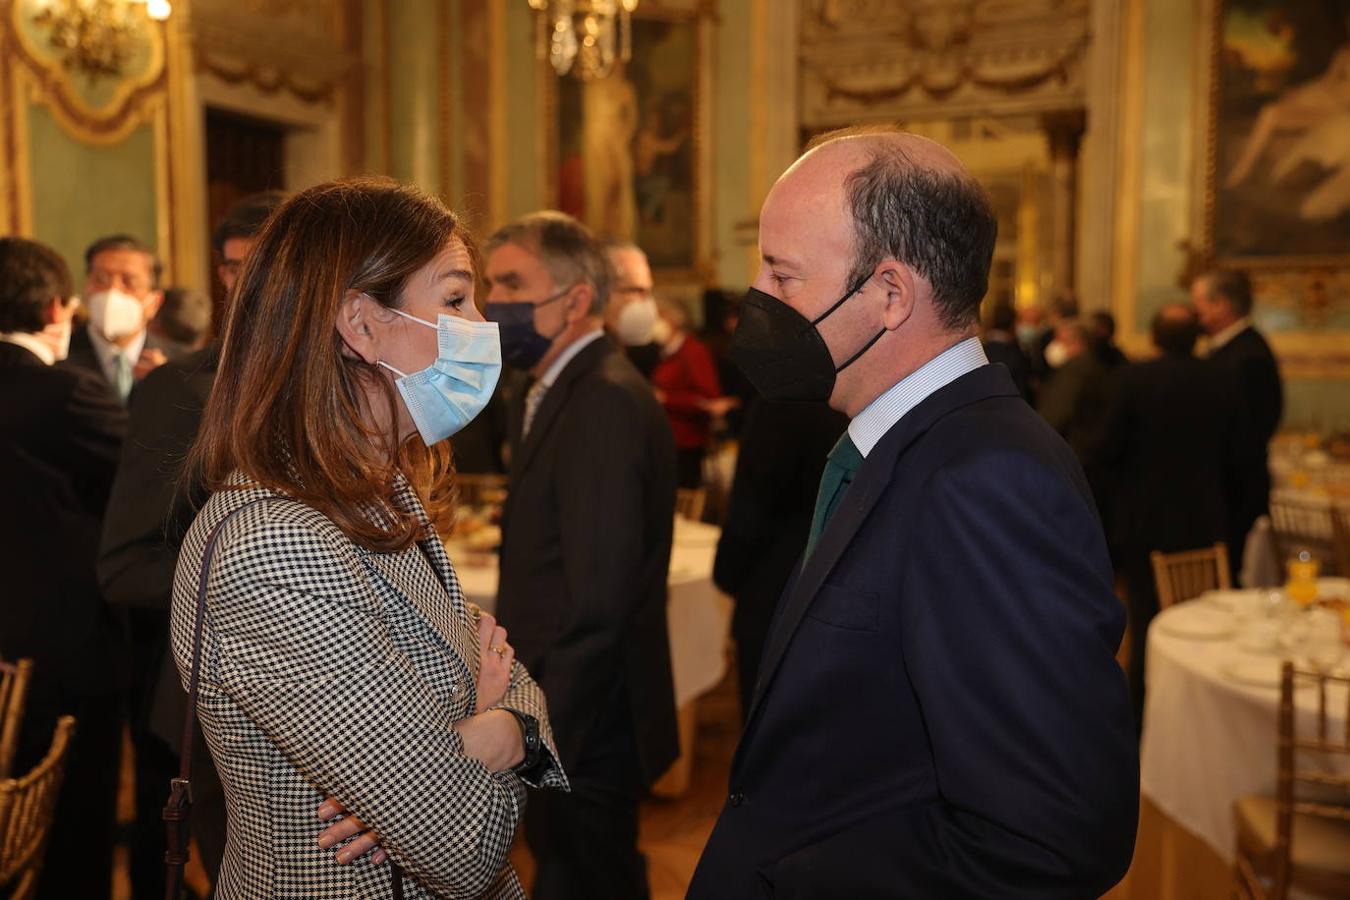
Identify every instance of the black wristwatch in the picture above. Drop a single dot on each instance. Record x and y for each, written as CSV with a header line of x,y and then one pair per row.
x,y
529,737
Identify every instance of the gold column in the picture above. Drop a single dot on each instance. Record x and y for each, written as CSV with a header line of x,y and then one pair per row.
x,y
1065,133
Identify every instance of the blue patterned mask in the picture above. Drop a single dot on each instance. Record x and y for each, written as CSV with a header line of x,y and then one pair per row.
x,y
449,393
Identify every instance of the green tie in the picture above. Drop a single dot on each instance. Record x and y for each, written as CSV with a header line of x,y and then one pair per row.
x,y
125,376
840,466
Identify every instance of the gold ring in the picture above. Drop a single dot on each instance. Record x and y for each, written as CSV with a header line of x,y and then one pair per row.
x,y
500,651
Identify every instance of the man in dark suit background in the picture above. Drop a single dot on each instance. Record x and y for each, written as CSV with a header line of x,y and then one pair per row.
x,y
1223,301
121,292
782,452
60,430
586,535
1001,346
1169,442
939,712
148,513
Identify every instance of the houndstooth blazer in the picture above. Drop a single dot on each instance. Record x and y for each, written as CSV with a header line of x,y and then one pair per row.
x,y
330,669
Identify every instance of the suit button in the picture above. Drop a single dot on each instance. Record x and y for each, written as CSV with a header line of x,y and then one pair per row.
x,y
737,798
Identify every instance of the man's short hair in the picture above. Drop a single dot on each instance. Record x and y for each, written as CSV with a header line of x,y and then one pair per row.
x,y
246,218
31,274
1231,284
125,242
565,247
185,315
940,224
1078,328
1103,325
1175,330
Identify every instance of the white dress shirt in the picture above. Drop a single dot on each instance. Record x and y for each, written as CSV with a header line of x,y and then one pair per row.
x,y
32,343
870,425
107,351
1232,331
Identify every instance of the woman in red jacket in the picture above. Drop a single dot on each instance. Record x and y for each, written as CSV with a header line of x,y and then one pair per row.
x,y
686,384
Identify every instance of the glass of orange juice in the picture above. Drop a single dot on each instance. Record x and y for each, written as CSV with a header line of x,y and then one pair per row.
x,y
1303,570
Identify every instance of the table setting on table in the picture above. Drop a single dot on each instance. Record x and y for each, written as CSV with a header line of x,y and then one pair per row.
x,y
1213,687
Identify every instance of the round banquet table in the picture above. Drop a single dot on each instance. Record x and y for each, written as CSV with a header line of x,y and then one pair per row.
x,y
699,615
1209,727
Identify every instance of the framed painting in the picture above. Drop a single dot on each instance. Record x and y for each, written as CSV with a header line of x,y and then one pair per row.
x,y
1275,165
629,153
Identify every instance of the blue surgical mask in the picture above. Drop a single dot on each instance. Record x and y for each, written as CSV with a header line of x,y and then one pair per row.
x,y
522,344
446,395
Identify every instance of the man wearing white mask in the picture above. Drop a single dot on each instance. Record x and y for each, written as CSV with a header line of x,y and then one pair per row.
x,y
631,315
122,294
60,431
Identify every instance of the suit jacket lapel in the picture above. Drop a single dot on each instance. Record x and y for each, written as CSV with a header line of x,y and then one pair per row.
x,y
862,496
554,401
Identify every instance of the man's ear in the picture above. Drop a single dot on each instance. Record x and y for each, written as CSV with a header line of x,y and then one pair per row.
x,y
580,302
901,289
153,301
353,326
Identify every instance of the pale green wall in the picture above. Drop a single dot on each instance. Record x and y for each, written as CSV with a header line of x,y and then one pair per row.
x,y
731,140
413,68
83,192
1166,192
523,110
1166,141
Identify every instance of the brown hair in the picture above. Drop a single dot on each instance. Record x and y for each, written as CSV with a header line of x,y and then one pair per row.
x,y
286,409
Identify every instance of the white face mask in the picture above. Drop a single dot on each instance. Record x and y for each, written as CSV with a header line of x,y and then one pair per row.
x,y
1056,354
635,322
115,314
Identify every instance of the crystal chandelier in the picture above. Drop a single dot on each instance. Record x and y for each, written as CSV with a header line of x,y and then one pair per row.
x,y
96,37
585,35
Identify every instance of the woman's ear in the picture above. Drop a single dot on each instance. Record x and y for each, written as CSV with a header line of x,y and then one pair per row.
x,y
353,326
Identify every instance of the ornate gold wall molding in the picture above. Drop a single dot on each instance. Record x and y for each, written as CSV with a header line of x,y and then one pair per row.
x,y
911,59
296,46
93,110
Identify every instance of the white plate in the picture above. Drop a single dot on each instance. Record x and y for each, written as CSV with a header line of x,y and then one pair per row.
x,y
1333,588
1197,621
1232,599
1258,673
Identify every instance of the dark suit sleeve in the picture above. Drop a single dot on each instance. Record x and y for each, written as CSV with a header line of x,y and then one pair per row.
x,y
1010,627
602,471
1259,380
136,558
96,426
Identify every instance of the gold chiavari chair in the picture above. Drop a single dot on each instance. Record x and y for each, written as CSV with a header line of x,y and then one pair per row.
x,y
27,806
689,503
1319,528
1187,575
1293,840
14,679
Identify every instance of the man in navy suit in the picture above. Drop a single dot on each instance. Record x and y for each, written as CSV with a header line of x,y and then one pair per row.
x,y
938,711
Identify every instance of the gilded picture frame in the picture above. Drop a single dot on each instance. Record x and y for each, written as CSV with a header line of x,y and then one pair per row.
x,y
1274,180
630,154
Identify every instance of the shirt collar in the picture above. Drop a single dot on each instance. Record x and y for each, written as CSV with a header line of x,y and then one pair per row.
x,y
107,351
870,425
33,344
555,368
1232,331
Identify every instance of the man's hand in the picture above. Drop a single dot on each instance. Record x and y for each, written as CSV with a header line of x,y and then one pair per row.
x,y
150,360
338,832
495,656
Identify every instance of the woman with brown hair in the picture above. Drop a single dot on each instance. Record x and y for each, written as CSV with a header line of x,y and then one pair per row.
x,y
337,656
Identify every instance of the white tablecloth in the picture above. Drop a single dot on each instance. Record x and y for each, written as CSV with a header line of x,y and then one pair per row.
x,y
1207,738
699,615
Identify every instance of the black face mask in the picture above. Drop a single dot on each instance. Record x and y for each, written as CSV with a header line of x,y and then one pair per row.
x,y
783,354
